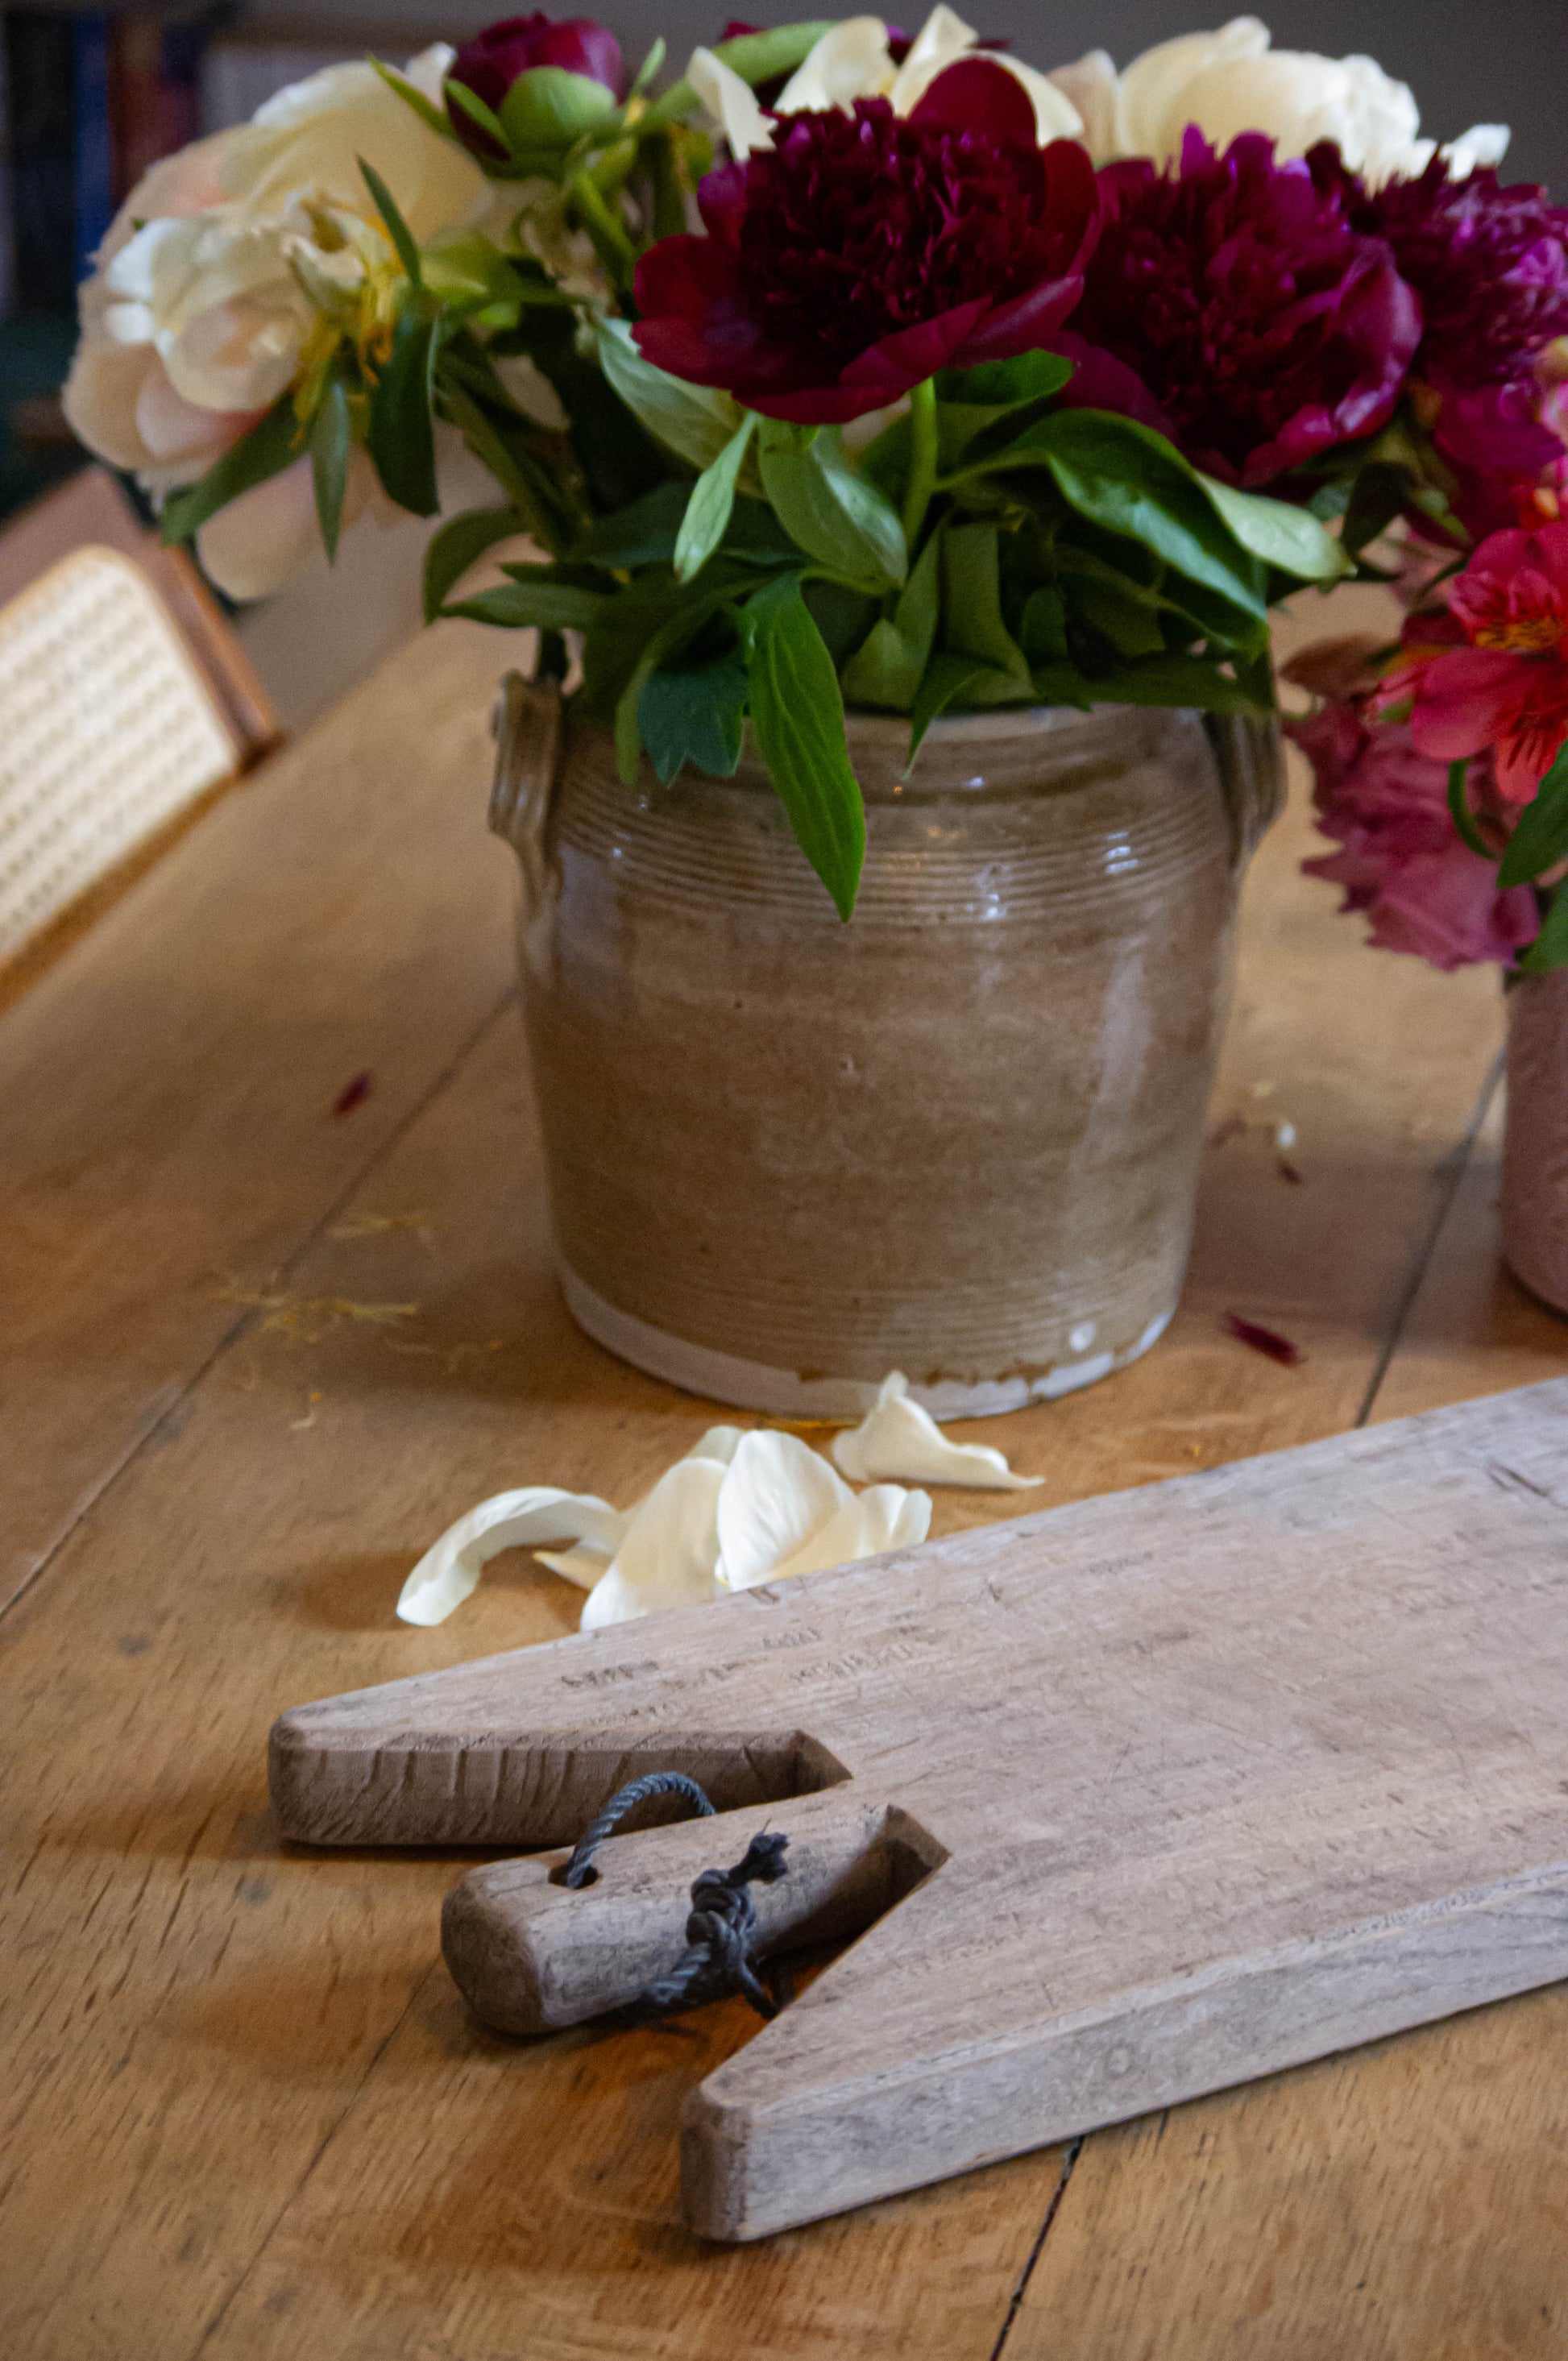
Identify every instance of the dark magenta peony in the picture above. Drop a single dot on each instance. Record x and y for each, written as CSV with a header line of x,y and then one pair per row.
x,y
492,60
864,252
1231,303
1490,267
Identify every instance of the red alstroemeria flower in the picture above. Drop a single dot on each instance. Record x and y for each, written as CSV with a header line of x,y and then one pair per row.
x,y
1492,671
863,253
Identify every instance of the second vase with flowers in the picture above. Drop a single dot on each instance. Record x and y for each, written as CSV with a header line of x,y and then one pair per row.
x,y
913,444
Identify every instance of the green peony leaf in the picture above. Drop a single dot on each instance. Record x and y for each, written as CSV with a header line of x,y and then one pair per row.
x,y
837,517
707,513
973,605
1549,948
1123,479
457,546
1540,840
332,446
696,717
798,716
430,116
1177,680
535,596
886,669
696,420
396,227
1286,537
947,681
402,432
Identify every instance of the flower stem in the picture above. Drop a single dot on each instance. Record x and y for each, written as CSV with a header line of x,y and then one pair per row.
x,y
922,459
615,249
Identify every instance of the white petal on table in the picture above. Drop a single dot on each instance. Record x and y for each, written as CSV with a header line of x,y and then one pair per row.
x,y
670,1550
448,1572
900,1438
887,1517
777,1494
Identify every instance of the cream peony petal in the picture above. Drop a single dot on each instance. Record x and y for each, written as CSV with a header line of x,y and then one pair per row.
x,y
307,141
943,41
899,1437
777,1494
252,546
1090,86
1151,90
851,61
1483,144
102,395
669,1551
429,70
449,1571
173,430
732,102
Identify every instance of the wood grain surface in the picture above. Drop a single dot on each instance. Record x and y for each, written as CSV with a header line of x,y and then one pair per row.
x,y
246,2109
1131,1800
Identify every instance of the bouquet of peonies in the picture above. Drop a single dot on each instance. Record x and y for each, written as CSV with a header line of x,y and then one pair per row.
x,y
853,366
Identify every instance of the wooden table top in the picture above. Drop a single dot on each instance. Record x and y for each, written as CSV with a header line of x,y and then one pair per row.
x,y
256,1355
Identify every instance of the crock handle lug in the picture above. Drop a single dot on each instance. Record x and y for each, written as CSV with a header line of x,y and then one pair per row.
x,y
526,724
1250,755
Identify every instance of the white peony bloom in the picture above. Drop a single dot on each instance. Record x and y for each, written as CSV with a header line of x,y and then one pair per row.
x,y
304,146
737,1510
900,1437
216,269
854,60
1233,80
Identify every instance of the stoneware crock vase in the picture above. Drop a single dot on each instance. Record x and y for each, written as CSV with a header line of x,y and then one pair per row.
x,y
1535,1143
958,1136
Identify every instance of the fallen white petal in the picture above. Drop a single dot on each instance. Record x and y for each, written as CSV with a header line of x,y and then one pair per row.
x,y
583,1564
777,1494
900,1438
447,1572
720,1442
670,1549
887,1517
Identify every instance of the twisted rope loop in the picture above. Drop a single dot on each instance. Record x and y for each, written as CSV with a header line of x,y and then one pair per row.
x,y
722,1927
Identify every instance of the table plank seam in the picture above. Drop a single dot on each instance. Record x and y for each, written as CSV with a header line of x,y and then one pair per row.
x,y
1070,2155
315,2157
1448,1178
248,1319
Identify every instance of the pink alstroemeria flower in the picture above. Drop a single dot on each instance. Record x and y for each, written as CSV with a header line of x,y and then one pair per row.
x,y
1492,671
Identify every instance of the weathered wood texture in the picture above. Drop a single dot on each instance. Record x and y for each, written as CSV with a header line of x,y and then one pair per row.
x,y
167,1136
1159,1792
244,2103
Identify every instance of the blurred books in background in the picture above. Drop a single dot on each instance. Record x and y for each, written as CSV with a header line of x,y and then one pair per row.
x,y
90,99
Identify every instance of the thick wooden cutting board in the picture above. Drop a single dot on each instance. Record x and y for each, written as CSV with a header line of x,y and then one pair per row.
x,y
1135,1799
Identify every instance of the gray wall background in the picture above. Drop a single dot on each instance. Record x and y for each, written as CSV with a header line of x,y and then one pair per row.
x,y
1503,61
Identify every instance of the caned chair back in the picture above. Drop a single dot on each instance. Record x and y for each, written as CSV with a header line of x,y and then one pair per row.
x,y
126,706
